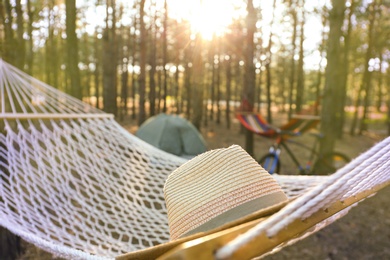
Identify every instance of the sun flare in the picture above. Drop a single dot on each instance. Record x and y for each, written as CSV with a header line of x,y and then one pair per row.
x,y
207,17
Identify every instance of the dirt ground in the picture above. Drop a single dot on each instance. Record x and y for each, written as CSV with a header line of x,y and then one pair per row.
x,y
363,234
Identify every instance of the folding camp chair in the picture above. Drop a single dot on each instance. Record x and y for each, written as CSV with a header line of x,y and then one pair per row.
x,y
298,125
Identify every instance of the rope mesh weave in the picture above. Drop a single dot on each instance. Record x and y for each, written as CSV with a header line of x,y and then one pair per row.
x,y
74,182
79,183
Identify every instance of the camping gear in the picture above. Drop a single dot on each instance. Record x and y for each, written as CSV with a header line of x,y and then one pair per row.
x,y
173,134
75,183
298,125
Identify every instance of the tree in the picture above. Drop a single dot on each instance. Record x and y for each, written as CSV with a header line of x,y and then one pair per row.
x,y
30,45
268,65
300,77
333,78
345,68
367,76
197,83
72,49
165,57
228,68
152,63
142,61
7,50
292,71
19,32
250,74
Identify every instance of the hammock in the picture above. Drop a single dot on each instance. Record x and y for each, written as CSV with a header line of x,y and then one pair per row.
x,y
75,183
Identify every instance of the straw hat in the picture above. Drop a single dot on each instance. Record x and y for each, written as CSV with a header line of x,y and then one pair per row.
x,y
215,191
216,188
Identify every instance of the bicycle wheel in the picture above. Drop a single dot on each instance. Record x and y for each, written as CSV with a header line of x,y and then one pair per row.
x,y
270,162
330,163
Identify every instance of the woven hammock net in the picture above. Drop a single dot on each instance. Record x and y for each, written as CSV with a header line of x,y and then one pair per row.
x,y
75,183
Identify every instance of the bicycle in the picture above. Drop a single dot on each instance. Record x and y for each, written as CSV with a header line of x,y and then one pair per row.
x,y
323,165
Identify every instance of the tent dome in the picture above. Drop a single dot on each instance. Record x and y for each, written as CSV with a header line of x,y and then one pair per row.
x,y
173,134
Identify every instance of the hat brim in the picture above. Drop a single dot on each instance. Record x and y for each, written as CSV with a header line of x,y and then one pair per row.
x,y
158,250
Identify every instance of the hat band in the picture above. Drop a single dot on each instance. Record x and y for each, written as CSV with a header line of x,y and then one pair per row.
x,y
239,211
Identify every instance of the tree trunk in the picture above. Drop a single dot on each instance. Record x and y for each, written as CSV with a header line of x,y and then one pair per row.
x,y
141,79
319,72
300,77
218,82
133,74
388,102
367,73
228,88
197,82
177,84
8,52
268,66
345,71
96,73
19,32
212,83
72,49
292,72
250,74
187,81
165,58
110,91
124,88
152,71
29,50
333,77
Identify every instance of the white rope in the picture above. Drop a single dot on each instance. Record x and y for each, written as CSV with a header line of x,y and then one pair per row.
x,y
367,170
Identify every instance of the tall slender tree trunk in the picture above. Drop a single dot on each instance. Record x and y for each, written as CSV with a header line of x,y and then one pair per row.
x,y
20,58
218,82
110,91
96,74
333,77
367,73
133,74
177,84
300,77
8,52
228,88
187,81
165,57
345,71
141,79
388,101
380,91
197,82
72,49
268,66
212,81
319,72
250,74
152,70
292,72
29,49
124,87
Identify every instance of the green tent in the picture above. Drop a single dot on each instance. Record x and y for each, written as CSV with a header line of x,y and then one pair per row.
x,y
173,134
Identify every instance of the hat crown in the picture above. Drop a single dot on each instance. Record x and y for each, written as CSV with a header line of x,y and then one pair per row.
x,y
214,184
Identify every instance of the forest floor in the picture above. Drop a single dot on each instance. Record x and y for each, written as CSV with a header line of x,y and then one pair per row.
x,y
364,233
